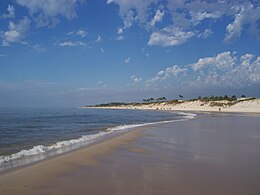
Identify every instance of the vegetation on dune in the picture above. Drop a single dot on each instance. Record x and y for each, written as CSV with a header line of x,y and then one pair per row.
x,y
152,100
111,104
217,98
220,101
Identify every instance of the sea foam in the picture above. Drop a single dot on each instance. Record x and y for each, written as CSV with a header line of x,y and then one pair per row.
x,y
84,140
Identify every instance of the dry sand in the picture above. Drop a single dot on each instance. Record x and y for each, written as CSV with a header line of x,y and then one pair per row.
x,y
250,106
213,154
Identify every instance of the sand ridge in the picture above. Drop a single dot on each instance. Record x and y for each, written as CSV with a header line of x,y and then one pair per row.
x,y
249,106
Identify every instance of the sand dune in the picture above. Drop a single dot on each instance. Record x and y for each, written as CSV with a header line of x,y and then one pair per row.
x,y
248,106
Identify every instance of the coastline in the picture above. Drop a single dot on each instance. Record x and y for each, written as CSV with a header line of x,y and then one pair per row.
x,y
41,152
248,106
202,153
38,173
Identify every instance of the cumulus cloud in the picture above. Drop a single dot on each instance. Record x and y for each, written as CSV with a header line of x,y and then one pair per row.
x,y
80,33
10,12
222,61
170,36
246,14
136,79
246,59
16,32
46,12
157,17
224,70
188,16
169,72
72,44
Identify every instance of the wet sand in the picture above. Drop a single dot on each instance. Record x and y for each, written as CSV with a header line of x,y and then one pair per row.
x,y
215,154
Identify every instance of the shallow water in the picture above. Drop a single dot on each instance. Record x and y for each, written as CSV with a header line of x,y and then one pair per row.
x,y
214,154
30,131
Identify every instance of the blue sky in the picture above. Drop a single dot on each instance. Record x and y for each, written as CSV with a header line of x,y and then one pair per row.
x,y
78,52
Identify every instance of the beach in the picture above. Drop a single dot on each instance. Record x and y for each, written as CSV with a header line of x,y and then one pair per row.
x,y
211,154
130,97
244,106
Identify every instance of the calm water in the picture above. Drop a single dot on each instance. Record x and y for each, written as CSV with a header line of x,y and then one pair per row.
x,y
30,131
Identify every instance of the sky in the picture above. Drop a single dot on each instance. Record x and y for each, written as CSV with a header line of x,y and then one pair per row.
x,y
81,52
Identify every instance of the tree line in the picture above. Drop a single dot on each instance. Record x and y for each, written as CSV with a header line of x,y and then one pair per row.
x,y
153,100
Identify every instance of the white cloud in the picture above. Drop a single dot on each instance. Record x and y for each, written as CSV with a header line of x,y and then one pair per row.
x,y
80,33
140,7
197,17
246,14
136,79
120,30
222,61
16,32
225,70
129,19
46,12
188,17
202,63
157,17
10,12
225,60
246,59
205,34
169,72
120,38
132,11
72,44
255,71
127,60
99,39
170,36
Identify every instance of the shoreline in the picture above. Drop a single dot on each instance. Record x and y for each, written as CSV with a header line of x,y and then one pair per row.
x,y
68,152
111,132
123,162
37,172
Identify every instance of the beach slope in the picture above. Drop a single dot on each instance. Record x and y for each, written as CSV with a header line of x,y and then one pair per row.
x,y
212,154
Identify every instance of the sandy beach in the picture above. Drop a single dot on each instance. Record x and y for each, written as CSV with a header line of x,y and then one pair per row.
x,y
212,154
248,106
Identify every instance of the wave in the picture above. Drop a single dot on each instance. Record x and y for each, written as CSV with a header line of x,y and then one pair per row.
x,y
85,139
187,115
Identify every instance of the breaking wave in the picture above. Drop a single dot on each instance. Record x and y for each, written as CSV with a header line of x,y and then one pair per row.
x,y
83,140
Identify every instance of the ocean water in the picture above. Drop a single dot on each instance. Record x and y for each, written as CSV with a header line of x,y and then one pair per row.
x,y
32,134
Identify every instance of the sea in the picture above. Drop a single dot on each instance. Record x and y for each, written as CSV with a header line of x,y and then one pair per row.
x,y
28,135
